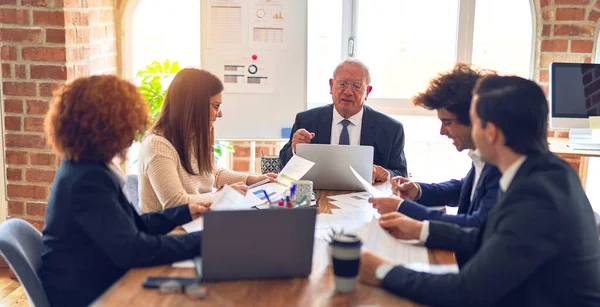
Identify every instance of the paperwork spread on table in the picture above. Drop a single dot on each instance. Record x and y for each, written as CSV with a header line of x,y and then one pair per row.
x,y
367,185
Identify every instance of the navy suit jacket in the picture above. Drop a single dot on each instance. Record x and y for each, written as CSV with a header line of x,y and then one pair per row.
x,y
93,235
538,247
457,193
384,133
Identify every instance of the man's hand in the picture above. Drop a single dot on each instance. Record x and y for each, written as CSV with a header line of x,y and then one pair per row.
x,y
385,204
252,179
401,226
404,188
240,187
301,136
369,263
380,174
198,209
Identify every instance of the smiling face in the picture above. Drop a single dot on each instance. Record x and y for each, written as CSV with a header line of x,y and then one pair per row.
x,y
349,89
454,130
215,107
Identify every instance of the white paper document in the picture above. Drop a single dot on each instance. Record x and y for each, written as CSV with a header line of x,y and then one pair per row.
x,y
267,24
294,170
195,225
229,199
186,264
351,200
248,73
224,26
367,186
380,242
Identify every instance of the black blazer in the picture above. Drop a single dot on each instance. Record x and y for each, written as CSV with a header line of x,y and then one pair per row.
x,y
384,133
93,235
538,247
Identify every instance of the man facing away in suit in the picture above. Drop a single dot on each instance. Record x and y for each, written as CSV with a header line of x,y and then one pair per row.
x,y
450,95
539,245
349,122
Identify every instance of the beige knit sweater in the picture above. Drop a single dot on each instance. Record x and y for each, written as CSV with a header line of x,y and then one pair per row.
x,y
164,183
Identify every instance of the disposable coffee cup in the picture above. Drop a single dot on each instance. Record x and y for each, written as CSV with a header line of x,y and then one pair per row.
x,y
269,164
345,259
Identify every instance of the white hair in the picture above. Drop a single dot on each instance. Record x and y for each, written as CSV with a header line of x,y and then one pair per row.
x,y
353,61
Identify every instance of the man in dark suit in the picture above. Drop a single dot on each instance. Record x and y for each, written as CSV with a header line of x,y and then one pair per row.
x,y
539,245
450,95
349,122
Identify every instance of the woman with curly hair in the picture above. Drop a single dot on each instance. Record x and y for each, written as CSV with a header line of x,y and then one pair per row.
x,y
93,234
176,161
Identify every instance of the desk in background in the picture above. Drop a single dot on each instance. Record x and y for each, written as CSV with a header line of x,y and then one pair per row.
x,y
579,159
316,290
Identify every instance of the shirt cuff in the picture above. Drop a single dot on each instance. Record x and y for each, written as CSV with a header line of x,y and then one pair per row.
x,y
399,203
383,270
424,232
420,191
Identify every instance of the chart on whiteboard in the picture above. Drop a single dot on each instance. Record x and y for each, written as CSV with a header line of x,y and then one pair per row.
x,y
268,24
248,73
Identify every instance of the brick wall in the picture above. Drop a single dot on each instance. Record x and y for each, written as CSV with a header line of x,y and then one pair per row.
x,y
44,43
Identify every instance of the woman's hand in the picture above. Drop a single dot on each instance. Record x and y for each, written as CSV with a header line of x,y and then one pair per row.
x,y
241,187
198,209
252,179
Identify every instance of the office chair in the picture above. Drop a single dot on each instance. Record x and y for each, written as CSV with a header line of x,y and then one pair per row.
x,y
21,246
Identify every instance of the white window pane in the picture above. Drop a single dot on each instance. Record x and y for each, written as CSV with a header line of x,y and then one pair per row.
x,y
166,30
405,43
501,45
324,40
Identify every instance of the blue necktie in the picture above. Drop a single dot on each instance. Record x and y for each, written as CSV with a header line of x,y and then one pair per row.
x,y
345,136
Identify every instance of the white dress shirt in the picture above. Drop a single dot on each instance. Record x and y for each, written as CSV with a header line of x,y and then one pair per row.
x,y
353,128
505,182
478,164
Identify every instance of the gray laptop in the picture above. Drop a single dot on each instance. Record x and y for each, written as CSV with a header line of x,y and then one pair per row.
x,y
331,170
256,244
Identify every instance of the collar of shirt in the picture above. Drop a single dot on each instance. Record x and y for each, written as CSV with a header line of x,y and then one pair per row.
x,y
476,158
510,173
355,119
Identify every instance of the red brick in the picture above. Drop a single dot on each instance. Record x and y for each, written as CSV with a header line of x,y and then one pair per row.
x,y
241,165
36,209
82,36
42,159
561,134
555,45
44,54
79,53
48,72
8,53
571,2
582,46
543,76
594,16
570,14
14,174
19,88
242,152
548,14
47,89
546,30
588,60
79,18
48,18
21,35
6,70
21,71
38,175
13,106
42,3
16,157
12,123
33,124
36,107
597,4
15,208
26,191
57,36
25,141
8,2
574,30
545,3
14,16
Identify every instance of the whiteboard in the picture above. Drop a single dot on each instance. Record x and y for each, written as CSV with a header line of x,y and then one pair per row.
x,y
257,54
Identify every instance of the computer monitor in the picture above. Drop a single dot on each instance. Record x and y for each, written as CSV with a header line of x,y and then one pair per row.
x,y
574,94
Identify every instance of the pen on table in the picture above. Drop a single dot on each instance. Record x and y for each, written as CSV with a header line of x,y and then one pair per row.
x,y
252,186
266,196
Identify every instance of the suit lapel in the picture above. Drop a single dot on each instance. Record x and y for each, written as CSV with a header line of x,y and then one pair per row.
x,y
464,202
484,173
323,133
366,130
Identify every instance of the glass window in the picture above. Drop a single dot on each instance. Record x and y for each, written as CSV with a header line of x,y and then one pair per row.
x,y
500,45
158,26
404,44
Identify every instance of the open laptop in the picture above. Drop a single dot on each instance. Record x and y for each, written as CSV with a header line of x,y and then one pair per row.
x,y
332,165
256,244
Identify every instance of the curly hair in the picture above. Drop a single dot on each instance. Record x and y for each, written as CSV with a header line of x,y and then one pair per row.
x,y
95,118
452,91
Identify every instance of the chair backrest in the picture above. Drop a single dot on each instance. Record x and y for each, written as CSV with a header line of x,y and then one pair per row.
x,y
131,186
21,246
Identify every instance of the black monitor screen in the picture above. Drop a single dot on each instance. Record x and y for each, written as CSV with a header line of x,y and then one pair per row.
x,y
575,90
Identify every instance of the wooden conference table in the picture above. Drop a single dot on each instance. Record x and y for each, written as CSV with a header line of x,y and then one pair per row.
x,y
316,290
